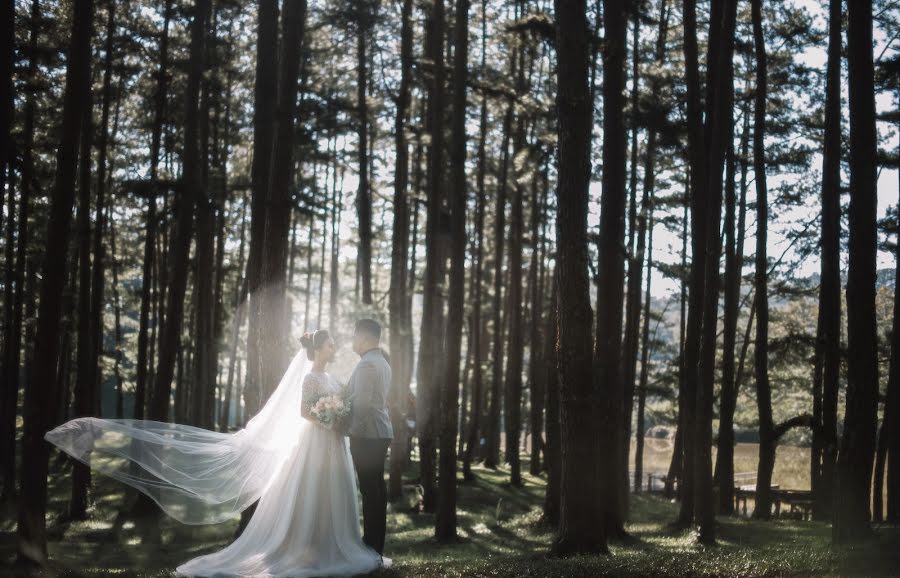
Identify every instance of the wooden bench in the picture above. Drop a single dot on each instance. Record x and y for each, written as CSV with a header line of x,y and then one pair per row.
x,y
799,501
743,492
661,483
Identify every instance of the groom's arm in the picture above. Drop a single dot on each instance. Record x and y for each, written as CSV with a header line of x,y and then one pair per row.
x,y
362,396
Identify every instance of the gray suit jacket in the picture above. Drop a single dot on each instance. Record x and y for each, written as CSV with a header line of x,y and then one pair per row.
x,y
368,390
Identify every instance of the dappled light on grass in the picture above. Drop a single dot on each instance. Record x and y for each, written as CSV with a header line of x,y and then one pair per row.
x,y
500,535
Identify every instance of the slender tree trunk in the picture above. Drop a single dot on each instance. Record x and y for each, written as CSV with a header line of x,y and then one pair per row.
x,y
492,456
445,521
892,415
878,477
699,222
103,177
734,258
473,435
645,358
13,330
431,346
240,309
201,410
117,307
718,129
337,202
635,272
762,508
553,450
364,196
515,353
7,104
264,107
400,323
42,394
86,370
179,247
825,436
275,306
150,239
611,269
537,375
676,466
649,185
857,445
582,498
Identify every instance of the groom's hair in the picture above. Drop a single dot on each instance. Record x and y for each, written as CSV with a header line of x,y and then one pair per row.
x,y
368,327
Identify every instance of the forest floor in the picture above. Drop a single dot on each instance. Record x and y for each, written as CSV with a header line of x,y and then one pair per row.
x,y
500,534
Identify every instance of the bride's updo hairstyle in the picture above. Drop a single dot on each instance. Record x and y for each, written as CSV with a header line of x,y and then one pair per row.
x,y
313,341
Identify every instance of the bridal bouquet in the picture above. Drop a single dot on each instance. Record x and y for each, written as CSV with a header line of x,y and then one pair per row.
x,y
330,409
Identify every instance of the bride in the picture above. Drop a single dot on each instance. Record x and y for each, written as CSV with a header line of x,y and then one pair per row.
x,y
306,522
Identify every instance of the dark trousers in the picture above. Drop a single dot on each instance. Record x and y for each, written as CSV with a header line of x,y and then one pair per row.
x,y
368,458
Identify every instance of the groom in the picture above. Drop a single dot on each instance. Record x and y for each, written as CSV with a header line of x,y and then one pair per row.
x,y
370,428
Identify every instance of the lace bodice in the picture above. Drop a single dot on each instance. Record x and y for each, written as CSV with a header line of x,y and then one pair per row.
x,y
315,385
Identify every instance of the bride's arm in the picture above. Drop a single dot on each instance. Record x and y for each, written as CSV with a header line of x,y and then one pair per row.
x,y
310,390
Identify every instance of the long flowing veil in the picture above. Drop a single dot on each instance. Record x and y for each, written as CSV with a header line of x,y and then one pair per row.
x,y
197,476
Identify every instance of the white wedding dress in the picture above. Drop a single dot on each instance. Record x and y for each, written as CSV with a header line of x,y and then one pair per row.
x,y
306,522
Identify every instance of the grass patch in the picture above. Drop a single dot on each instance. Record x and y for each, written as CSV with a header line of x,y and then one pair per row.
x,y
500,535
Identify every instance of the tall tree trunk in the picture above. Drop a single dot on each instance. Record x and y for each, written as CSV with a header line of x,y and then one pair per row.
x,y
646,229
647,206
734,258
7,102
364,195
86,370
117,307
676,465
611,269
699,222
537,375
337,204
103,177
275,306
150,238
205,367
431,344
12,342
7,171
553,450
645,356
880,463
718,135
240,309
825,436
635,272
515,353
890,429
400,323
492,456
473,436
763,506
179,247
42,394
581,485
857,445
264,107
445,521
892,415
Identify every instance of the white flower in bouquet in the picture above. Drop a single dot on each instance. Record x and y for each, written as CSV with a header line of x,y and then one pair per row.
x,y
330,409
